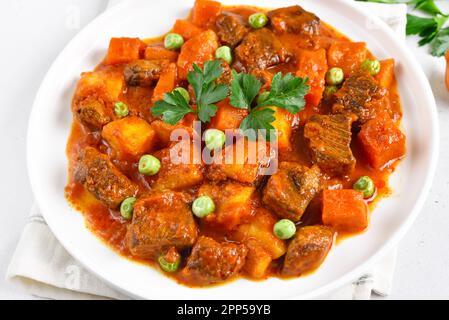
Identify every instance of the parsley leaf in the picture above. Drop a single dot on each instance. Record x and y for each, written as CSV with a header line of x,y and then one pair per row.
x,y
441,43
172,108
259,119
207,92
244,88
287,92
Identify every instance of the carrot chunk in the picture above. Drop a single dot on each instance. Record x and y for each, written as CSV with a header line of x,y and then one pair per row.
x,y
313,64
205,12
198,50
160,53
227,117
123,50
345,210
381,141
386,75
186,29
347,55
166,82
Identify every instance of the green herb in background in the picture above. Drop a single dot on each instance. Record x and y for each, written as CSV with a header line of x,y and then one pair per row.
x,y
429,29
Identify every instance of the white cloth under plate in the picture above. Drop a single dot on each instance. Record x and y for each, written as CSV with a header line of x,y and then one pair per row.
x,y
42,267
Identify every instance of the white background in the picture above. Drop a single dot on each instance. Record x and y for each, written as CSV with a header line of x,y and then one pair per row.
x,y
32,33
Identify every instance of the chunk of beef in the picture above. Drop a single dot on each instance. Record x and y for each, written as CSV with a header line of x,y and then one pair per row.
x,y
307,250
161,220
329,138
231,29
212,262
93,113
294,19
101,178
260,49
357,96
289,191
143,72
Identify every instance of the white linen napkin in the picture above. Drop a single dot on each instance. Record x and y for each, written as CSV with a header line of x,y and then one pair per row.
x,y
42,267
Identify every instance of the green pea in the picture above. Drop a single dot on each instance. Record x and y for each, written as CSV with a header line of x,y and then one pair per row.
x,y
168,266
121,109
366,185
284,229
149,165
184,93
335,76
224,53
371,66
203,206
214,139
127,207
263,97
329,91
173,41
258,20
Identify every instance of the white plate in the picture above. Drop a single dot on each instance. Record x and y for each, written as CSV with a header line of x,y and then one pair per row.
x,y
51,118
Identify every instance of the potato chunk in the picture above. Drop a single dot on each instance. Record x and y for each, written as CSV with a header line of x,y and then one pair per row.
x,y
257,261
242,162
260,229
232,203
185,171
129,137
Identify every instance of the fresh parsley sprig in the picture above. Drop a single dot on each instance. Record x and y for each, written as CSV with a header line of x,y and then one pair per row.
x,y
172,109
286,92
207,92
430,29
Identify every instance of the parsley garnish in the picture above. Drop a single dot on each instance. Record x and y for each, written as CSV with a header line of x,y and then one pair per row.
x,y
207,92
286,92
430,29
174,107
